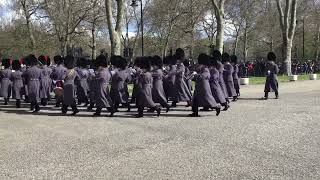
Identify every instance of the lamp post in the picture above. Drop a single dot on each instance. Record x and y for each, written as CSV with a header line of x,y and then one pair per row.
x,y
134,4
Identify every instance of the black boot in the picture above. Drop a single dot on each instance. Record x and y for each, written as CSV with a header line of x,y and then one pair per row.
x,y
64,109
226,106
174,104
140,112
36,108
266,96
98,112
32,105
91,106
129,107
18,103
195,111
44,102
218,110
26,99
6,100
75,110
158,111
167,108
277,95
235,98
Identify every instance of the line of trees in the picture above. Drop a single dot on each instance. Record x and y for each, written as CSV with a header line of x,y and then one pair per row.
x,y
247,28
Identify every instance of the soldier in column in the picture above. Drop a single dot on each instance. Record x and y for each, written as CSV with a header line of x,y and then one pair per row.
x,y
82,84
235,74
158,93
69,86
227,75
144,93
119,89
6,83
45,80
103,78
33,75
271,84
17,82
202,96
58,75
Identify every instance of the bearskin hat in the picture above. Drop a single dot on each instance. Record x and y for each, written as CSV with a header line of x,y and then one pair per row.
x,y
203,59
58,60
180,54
32,60
102,60
157,61
122,63
16,65
146,63
234,59
70,62
225,57
271,56
6,63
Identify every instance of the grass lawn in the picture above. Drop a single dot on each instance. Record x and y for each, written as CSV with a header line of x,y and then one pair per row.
x,y
262,80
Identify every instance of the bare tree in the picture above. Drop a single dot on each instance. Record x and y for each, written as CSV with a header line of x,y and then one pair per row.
x,y
29,8
288,18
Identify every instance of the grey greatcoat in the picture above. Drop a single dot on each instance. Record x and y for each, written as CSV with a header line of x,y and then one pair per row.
x,y
228,79
221,79
134,79
187,78
236,79
5,83
119,89
17,84
170,88
202,96
103,99
69,87
82,84
216,89
59,73
45,82
92,82
184,93
144,95
272,79
158,94
33,75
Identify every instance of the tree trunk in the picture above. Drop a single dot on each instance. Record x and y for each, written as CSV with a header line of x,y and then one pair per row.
x,y
115,33
94,44
220,32
235,47
317,43
288,50
245,44
288,24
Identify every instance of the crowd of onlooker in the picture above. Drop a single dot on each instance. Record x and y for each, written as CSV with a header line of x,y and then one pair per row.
x,y
298,68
